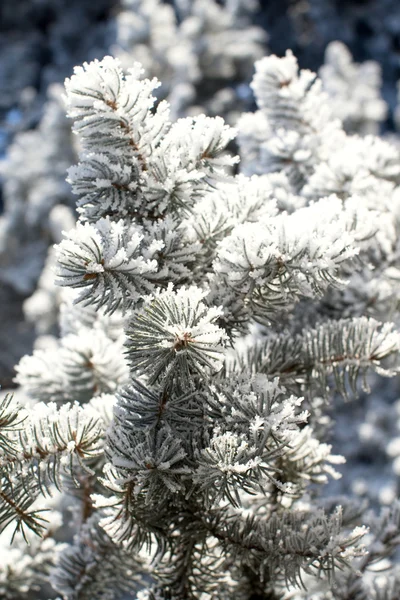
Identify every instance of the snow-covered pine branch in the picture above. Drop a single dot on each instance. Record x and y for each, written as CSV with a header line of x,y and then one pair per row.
x,y
175,336
294,128
341,350
85,364
52,442
282,258
354,90
132,150
362,172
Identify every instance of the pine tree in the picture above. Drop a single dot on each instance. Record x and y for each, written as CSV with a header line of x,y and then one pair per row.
x,y
214,318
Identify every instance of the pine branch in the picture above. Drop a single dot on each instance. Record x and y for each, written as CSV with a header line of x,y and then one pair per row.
x,y
94,567
284,546
345,349
17,496
273,263
52,443
259,444
11,419
155,460
128,519
106,187
175,337
84,365
294,128
134,162
105,260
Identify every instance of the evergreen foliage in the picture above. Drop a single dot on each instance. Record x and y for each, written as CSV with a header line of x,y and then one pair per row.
x,y
354,90
211,313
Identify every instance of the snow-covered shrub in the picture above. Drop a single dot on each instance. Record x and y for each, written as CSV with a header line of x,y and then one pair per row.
x,y
214,316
